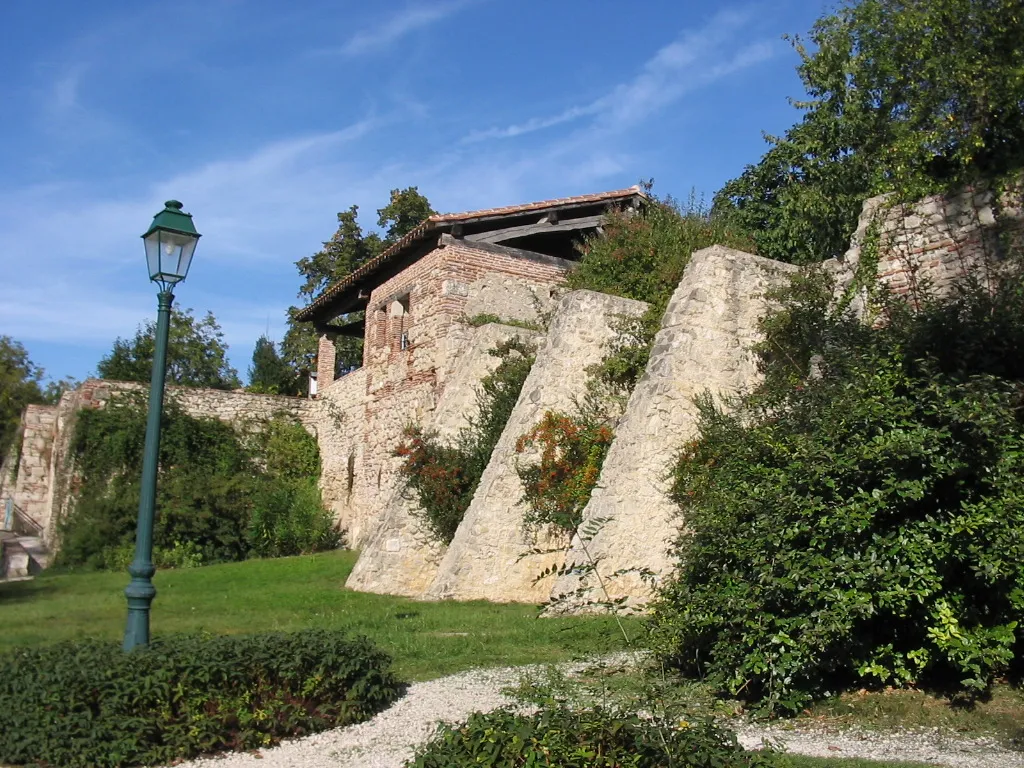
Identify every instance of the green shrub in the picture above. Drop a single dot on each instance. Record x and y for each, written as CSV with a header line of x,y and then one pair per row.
x,y
88,703
558,485
444,478
212,481
288,518
590,738
859,521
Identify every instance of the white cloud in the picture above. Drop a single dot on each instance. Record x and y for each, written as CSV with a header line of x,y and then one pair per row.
x,y
398,26
697,58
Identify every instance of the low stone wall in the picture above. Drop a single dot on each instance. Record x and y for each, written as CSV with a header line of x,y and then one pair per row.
x,y
703,346
45,478
398,557
485,560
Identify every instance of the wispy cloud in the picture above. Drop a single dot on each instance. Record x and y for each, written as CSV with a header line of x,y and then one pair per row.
x,y
397,26
697,58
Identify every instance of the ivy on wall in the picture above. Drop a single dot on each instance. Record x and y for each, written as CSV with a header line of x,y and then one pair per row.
x,y
443,478
222,494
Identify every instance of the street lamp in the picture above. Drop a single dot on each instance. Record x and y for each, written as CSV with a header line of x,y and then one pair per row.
x,y
170,242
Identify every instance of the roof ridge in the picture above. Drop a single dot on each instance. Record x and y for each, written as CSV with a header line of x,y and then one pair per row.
x,y
433,221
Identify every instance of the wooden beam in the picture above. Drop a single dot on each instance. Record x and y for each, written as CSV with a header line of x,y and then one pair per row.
x,y
510,233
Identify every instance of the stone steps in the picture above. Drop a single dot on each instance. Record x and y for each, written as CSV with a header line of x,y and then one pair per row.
x,y
21,557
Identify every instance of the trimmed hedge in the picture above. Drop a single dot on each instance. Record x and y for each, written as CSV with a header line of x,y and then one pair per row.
x,y
587,738
88,703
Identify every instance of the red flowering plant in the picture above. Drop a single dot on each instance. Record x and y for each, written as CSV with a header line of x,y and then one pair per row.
x,y
557,486
443,477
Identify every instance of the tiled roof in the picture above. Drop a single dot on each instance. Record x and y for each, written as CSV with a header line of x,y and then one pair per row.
x,y
439,221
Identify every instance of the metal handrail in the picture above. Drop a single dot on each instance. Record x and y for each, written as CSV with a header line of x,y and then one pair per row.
x,y
19,521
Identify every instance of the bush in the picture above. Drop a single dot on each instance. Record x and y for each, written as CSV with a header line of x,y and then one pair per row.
x,y
444,478
862,525
288,518
558,486
223,494
588,738
88,703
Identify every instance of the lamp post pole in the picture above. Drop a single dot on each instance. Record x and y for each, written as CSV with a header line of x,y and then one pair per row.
x,y
140,592
170,243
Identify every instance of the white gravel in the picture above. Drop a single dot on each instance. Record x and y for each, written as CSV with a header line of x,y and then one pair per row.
x,y
390,738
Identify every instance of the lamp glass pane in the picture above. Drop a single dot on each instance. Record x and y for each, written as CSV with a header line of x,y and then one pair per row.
x,y
152,242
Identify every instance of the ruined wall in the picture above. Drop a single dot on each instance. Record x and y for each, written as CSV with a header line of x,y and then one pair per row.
x,y
415,334
44,485
398,557
925,247
484,559
703,345
32,486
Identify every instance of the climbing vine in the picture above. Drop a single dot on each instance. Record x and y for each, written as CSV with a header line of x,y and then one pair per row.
x,y
443,478
221,494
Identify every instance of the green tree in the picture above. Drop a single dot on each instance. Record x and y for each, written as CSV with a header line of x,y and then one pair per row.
x,y
908,95
196,354
19,386
269,373
347,250
405,211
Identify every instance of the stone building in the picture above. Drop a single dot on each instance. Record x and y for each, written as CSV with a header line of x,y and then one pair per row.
x,y
416,298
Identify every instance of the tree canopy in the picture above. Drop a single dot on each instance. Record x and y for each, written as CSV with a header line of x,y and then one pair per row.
x,y
196,354
912,96
347,250
270,374
19,386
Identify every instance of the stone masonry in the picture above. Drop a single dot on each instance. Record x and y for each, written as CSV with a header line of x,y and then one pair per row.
x,y
416,333
486,558
423,360
398,557
703,346
43,489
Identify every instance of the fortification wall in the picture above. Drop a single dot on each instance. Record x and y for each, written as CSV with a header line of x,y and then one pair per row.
x,y
32,485
923,248
485,559
45,480
415,339
398,557
703,345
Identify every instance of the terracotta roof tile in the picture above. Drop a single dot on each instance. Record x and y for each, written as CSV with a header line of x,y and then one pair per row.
x,y
433,222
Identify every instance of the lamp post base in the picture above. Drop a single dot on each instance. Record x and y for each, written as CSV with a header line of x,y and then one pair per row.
x,y
140,593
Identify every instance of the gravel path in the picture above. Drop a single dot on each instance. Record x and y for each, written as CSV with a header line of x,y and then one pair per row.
x,y
389,739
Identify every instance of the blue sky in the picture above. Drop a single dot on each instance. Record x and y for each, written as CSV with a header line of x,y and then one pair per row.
x,y
266,118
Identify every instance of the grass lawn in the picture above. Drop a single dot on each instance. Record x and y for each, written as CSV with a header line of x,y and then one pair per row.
x,y
426,639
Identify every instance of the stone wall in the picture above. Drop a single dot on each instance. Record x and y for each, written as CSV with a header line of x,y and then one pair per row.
x,y
924,247
703,346
415,336
45,478
32,487
398,557
485,559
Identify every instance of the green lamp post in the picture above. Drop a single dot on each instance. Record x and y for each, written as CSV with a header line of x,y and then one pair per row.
x,y
170,242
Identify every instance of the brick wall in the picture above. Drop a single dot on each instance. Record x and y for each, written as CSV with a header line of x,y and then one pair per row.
x,y
924,247
402,379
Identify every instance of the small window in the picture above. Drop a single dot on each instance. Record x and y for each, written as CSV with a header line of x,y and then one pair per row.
x,y
403,340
